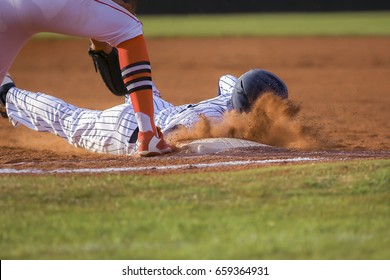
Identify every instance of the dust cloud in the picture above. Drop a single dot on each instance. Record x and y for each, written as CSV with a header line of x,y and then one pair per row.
x,y
272,121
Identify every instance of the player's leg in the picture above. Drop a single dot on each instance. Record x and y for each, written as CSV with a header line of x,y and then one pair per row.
x,y
137,74
115,25
38,111
106,131
105,21
13,35
136,71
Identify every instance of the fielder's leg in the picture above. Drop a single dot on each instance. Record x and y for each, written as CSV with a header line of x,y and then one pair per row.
x,y
137,76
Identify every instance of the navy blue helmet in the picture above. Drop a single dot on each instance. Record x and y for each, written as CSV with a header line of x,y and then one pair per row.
x,y
252,84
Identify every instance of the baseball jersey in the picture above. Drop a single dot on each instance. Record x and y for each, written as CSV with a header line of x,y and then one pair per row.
x,y
109,131
102,20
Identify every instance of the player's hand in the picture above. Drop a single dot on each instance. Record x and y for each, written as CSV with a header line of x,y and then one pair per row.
x,y
130,5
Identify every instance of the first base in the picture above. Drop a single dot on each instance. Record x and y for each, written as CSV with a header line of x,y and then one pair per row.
x,y
213,145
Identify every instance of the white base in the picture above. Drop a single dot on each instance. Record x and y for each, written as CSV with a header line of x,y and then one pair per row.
x,y
213,145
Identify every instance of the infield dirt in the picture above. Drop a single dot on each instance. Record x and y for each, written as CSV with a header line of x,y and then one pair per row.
x,y
338,87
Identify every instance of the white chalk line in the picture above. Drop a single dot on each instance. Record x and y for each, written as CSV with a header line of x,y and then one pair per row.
x,y
157,168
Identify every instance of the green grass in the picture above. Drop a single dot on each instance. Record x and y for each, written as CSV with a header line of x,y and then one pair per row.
x,y
311,211
283,24
278,24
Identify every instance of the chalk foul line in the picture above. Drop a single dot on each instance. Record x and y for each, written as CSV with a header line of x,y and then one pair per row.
x,y
157,168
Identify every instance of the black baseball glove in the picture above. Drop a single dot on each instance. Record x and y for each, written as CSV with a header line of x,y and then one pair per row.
x,y
108,67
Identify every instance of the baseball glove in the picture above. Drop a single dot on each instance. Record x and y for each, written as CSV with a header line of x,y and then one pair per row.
x,y
108,67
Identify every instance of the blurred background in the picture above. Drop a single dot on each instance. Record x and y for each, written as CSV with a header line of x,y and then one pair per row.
x,y
256,6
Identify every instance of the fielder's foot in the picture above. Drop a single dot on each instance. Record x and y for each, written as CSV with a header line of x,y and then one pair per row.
x,y
149,145
5,85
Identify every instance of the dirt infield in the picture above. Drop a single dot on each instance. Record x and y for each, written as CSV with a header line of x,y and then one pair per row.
x,y
340,84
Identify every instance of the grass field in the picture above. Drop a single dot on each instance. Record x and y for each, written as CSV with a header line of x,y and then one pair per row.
x,y
283,24
309,211
312,211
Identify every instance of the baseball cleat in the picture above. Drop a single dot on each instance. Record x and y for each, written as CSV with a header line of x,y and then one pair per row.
x,y
149,145
6,84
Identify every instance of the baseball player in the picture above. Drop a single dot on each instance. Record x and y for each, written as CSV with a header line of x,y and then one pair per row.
x,y
115,130
117,38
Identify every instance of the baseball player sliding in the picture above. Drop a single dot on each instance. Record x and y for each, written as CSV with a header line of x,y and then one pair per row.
x,y
115,130
109,23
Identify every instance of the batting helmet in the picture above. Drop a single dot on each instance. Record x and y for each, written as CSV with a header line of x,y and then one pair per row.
x,y
253,84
